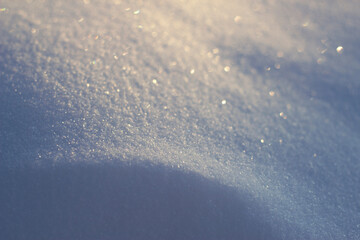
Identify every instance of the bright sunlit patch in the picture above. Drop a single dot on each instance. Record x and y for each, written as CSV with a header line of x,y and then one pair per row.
x,y
283,115
227,69
340,49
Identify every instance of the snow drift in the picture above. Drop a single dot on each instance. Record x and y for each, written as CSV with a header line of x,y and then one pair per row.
x,y
181,120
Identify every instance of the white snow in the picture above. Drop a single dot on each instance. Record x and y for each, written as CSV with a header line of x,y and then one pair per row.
x,y
251,94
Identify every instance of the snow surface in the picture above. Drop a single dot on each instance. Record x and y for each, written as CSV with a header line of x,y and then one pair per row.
x,y
179,119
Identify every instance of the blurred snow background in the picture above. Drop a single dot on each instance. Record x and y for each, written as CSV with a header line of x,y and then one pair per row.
x,y
259,96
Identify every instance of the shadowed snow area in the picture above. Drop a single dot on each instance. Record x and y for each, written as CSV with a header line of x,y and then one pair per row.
x,y
106,202
179,119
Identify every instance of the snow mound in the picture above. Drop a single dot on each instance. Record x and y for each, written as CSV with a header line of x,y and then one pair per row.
x,y
261,97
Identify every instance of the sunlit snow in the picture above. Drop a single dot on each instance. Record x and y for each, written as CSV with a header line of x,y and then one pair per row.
x,y
260,97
